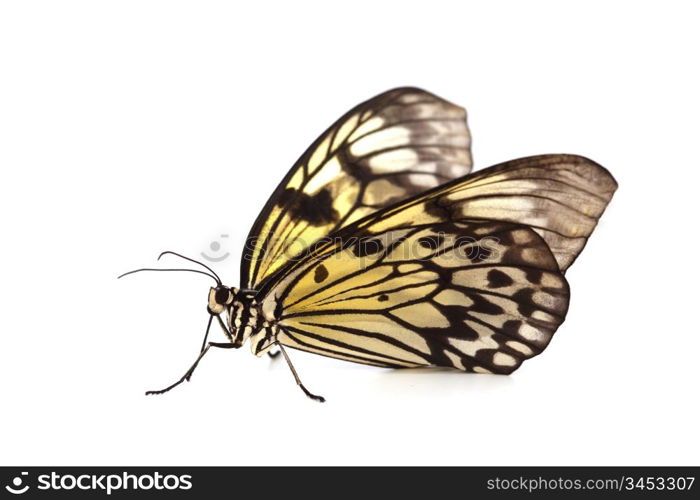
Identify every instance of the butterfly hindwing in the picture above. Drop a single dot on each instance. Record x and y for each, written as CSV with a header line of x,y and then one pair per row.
x,y
473,295
400,143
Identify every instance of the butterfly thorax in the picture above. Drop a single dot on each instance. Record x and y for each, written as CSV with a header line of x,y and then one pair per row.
x,y
244,318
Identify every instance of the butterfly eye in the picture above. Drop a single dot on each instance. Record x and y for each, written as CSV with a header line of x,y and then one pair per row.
x,y
223,296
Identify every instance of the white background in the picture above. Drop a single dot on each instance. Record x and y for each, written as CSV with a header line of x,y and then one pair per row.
x,y
127,128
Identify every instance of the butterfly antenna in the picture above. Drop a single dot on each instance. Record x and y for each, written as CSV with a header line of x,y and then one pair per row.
x,y
214,277
192,260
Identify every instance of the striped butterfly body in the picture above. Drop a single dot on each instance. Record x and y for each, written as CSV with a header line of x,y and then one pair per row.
x,y
379,247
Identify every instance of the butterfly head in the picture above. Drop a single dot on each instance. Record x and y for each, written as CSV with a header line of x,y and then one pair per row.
x,y
220,298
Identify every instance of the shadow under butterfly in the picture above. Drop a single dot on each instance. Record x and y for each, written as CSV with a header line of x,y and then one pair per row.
x,y
380,247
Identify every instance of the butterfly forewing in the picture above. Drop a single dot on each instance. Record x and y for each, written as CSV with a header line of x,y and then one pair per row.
x,y
400,143
473,295
560,196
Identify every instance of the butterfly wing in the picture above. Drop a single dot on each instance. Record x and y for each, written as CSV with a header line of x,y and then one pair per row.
x,y
397,144
395,289
560,196
473,295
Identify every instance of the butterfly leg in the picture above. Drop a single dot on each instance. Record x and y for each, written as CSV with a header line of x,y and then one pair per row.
x,y
206,335
296,377
273,354
188,373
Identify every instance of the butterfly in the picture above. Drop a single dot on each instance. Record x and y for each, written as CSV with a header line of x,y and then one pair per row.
x,y
380,247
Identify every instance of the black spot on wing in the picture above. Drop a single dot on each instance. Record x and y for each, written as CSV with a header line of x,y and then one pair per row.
x,y
461,329
286,197
383,297
534,276
476,253
498,279
320,274
432,242
443,210
511,327
482,305
367,246
317,210
526,306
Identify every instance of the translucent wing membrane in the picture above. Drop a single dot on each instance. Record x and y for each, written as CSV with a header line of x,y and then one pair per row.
x,y
473,295
400,143
560,196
